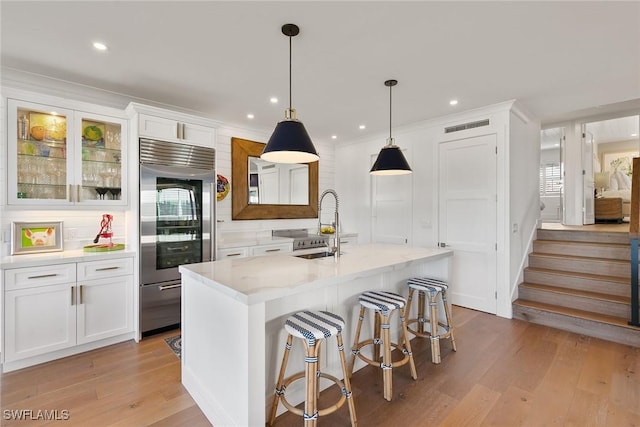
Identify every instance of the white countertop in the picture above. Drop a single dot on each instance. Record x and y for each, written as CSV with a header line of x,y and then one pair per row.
x,y
50,258
257,279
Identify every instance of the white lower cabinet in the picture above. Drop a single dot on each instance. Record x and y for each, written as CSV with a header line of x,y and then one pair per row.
x,y
271,249
104,308
43,316
233,253
39,320
258,250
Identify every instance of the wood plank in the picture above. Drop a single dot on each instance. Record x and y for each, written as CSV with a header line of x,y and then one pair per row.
x,y
505,373
473,408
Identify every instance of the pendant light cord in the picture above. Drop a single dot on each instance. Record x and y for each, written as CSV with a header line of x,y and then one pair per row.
x,y
290,103
390,111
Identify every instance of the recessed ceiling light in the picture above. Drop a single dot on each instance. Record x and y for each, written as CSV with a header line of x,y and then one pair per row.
x,y
334,136
250,116
362,127
273,100
99,46
453,102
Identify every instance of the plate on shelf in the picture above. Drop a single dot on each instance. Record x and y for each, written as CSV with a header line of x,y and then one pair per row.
x,y
92,134
47,127
222,187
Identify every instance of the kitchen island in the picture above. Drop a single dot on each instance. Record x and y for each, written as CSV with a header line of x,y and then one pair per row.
x,y
233,311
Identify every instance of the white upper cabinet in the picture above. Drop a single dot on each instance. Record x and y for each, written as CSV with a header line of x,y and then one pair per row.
x,y
172,126
175,131
64,157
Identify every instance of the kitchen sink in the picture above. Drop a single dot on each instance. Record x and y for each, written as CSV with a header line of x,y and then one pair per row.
x,y
316,255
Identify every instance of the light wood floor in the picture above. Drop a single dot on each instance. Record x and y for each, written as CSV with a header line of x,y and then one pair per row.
x,y
505,373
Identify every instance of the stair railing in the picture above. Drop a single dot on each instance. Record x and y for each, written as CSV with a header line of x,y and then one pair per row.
x,y
634,236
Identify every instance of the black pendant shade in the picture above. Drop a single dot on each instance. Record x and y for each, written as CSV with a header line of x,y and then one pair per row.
x,y
390,160
290,142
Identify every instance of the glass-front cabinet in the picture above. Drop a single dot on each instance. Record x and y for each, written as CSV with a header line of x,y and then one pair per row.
x,y
65,157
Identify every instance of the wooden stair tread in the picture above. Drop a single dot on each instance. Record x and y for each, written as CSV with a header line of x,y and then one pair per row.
x,y
578,243
579,293
621,280
580,258
586,315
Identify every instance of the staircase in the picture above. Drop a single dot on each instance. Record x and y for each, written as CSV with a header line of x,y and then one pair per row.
x,y
579,281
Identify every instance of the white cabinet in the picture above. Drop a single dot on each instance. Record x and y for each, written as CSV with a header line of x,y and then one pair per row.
x,y
256,250
166,129
105,299
349,239
58,307
240,252
63,157
271,249
39,320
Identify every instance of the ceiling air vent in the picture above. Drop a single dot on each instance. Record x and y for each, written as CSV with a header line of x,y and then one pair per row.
x,y
469,125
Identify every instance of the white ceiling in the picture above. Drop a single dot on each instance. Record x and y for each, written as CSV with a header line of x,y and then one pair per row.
x,y
226,59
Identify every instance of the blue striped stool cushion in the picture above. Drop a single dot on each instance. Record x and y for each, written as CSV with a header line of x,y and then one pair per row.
x,y
427,284
314,325
381,300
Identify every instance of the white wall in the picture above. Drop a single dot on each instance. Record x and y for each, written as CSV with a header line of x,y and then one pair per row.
x,y
518,195
524,195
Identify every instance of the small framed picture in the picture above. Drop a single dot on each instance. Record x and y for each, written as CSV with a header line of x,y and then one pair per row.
x,y
36,237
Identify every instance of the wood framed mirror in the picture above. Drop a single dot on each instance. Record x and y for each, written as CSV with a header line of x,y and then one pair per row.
x,y
242,151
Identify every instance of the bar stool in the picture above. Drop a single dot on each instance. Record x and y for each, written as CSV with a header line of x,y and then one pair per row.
x,y
312,327
433,288
384,304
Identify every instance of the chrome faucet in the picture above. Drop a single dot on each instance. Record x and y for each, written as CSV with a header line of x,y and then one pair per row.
x,y
336,224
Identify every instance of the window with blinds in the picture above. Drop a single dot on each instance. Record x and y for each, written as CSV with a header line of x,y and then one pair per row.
x,y
550,179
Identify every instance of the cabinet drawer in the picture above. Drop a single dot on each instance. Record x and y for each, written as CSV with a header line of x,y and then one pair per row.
x,y
23,278
233,253
105,268
272,249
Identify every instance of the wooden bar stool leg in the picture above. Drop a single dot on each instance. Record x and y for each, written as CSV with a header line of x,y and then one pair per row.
x,y
407,344
311,377
279,389
347,382
409,300
421,305
447,312
376,336
435,338
387,364
354,349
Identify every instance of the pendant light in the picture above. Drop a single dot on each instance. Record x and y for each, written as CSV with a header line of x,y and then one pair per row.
x,y
390,160
290,142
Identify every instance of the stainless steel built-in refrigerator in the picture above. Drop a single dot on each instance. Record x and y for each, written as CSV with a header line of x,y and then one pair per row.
x,y
177,224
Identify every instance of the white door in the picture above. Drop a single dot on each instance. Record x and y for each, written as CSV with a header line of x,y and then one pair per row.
x,y
467,219
588,185
104,308
391,208
39,320
299,185
269,186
